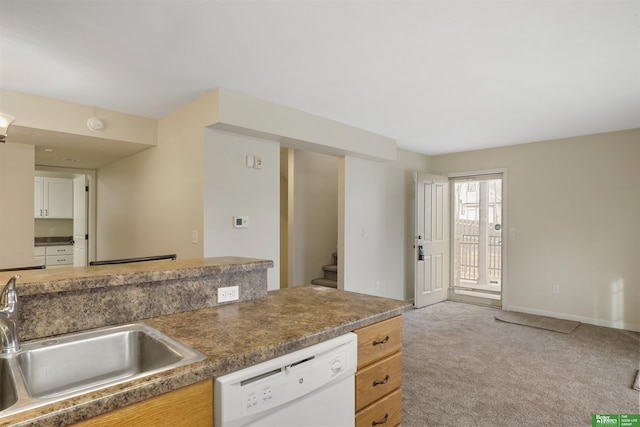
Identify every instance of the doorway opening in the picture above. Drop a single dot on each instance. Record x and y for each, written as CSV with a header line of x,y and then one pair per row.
x,y
477,221
308,218
79,227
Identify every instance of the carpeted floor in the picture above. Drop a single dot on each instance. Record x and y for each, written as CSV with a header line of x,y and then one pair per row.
x,y
461,367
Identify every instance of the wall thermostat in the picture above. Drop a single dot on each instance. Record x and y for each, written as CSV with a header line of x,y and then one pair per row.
x,y
240,221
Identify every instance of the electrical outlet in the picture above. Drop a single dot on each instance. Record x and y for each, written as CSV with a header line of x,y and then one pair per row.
x,y
555,289
230,293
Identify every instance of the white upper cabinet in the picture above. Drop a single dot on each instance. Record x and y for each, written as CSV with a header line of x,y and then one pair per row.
x,y
53,198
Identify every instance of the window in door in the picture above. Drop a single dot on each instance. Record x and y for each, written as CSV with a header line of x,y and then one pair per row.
x,y
477,236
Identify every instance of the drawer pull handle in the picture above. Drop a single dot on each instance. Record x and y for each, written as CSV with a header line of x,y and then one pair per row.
x,y
384,381
384,421
384,341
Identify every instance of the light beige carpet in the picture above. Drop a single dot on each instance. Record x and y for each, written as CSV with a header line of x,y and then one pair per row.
x,y
463,368
535,321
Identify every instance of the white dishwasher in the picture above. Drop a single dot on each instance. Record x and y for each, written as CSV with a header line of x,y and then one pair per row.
x,y
312,387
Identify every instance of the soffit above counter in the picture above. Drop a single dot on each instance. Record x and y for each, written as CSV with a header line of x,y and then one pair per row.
x,y
246,115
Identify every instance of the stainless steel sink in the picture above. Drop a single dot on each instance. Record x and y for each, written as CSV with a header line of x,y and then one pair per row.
x,y
8,393
57,368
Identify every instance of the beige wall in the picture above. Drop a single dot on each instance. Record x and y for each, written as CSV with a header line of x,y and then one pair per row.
x,y
37,112
152,202
53,227
244,114
16,205
573,208
315,215
377,204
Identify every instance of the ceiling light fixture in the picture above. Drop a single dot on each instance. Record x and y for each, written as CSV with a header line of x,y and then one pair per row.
x,y
5,122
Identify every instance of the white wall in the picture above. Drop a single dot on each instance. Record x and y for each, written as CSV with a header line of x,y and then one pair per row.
x,y
16,205
573,209
230,189
315,215
378,225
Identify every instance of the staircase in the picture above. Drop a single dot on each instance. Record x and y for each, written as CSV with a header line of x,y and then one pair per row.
x,y
330,278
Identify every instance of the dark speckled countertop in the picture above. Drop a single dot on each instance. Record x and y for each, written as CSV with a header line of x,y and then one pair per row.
x,y
53,241
232,336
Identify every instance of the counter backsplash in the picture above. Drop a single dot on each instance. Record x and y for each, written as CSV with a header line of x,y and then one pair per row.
x,y
92,297
53,241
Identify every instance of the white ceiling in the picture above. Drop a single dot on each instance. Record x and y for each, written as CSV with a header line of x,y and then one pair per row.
x,y
437,76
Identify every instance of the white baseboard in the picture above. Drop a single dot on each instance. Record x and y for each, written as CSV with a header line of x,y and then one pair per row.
x,y
583,319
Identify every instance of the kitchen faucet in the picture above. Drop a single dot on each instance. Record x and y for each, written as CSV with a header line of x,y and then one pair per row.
x,y
9,317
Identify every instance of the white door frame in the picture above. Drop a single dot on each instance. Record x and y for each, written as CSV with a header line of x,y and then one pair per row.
x,y
80,221
507,230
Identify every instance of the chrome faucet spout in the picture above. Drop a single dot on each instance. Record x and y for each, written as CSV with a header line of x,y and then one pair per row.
x,y
9,311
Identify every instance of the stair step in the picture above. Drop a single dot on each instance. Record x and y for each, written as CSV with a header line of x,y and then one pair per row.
x,y
325,282
330,272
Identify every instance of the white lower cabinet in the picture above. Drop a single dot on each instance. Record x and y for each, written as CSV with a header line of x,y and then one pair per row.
x,y
39,255
53,255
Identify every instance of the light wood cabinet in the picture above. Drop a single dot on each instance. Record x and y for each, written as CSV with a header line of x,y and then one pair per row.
x,y
52,198
185,407
379,376
383,412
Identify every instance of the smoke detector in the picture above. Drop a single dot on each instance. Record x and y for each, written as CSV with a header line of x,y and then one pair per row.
x,y
95,124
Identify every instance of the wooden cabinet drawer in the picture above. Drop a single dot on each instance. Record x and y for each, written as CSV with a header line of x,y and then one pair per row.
x,y
385,412
378,379
39,251
379,340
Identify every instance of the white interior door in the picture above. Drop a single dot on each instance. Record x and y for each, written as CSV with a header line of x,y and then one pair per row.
x,y
432,239
80,221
